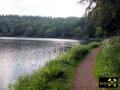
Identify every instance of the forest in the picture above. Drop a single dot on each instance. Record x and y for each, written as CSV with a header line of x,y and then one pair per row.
x,y
47,27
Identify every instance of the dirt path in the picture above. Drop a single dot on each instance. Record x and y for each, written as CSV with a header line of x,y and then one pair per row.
x,y
84,79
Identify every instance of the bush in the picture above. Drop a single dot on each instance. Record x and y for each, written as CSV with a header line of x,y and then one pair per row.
x,y
108,60
94,45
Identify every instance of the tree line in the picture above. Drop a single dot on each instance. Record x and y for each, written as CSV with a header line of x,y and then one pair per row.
x,y
46,27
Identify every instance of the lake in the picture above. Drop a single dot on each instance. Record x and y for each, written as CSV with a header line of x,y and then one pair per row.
x,y
20,56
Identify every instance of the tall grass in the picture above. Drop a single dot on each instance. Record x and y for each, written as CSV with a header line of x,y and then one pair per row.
x,y
57,74
108,59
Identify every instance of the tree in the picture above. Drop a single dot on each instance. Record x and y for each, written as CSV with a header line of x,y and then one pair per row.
x,y
4,31
29,31
40,33
78,32
106,14
88,28
36,26
50,33
99,32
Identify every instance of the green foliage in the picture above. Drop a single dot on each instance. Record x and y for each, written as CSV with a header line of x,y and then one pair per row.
x,y
50,33
78,32
108,60
36,26
45,27
94,44
56,74
29,31
99,32
106,13
87,29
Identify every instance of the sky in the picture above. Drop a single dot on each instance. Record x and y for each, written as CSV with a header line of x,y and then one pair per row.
x,y
53,8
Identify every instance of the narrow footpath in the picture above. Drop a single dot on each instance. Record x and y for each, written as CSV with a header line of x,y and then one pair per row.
x,y
84,79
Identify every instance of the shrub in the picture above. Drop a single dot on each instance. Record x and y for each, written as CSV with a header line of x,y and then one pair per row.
x,y
94,45
108,60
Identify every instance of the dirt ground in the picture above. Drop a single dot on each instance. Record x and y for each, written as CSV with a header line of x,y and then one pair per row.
x,y
84,79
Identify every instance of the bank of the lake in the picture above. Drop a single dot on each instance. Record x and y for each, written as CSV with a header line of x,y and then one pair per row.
x,y
108,60
57,74
20,56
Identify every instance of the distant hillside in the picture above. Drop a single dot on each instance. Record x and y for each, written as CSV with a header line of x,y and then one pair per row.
x,y
48,27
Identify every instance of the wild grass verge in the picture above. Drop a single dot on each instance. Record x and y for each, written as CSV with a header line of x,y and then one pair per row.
x,y
57,74
108,60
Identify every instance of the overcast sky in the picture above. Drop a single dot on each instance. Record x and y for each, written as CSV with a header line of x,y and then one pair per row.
x,y
54,8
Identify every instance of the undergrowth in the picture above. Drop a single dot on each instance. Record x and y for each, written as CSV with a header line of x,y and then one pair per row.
x,y
108,60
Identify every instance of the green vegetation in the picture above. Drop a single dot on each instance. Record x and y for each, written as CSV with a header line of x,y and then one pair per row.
x,y
99,32
106,14
108,59
45,27
56,74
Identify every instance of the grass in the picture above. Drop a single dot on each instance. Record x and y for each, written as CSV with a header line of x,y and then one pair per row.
x,y
108,60
57,74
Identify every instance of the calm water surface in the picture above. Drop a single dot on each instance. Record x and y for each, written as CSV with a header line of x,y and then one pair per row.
x,y
19,56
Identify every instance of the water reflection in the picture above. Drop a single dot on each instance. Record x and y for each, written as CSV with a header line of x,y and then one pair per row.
x,y
18,57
